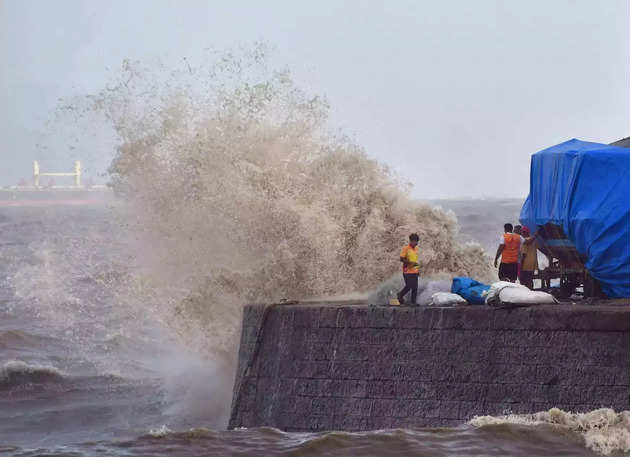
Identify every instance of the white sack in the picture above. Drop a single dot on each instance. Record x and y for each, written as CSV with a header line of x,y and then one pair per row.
x,y
493,293
525,296
427,288
509,292
447,299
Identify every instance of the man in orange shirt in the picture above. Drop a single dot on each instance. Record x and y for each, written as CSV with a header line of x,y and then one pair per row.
x,y
509,250
411,271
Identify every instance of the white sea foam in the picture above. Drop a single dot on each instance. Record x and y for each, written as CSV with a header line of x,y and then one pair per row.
x,y
160,432
18,366
604,430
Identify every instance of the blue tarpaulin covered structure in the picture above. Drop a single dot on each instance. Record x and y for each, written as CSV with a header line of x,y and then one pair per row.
x,y
585,188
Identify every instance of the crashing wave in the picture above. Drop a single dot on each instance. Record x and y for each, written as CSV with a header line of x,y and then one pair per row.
x,y
16,373
237,189
604,430
239,192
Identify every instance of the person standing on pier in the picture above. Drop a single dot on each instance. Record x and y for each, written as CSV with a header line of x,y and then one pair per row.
x,y
509,250
529,259
411,270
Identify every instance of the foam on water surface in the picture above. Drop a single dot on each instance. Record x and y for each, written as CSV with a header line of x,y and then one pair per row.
x,y
604,430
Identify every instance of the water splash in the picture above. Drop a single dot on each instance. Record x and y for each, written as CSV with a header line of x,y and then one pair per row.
x,y
241,191
160,432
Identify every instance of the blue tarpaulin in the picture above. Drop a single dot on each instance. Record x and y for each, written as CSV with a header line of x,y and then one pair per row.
x,y
473,291
585,188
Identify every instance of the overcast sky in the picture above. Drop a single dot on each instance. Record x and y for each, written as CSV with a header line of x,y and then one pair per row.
x,y
455,95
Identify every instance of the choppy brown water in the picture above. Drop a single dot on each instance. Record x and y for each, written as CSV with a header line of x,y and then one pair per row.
x,y
499,441
86,370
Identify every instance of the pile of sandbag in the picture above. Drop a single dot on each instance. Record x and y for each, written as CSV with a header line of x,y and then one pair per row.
x,y
507,293
468,291
463,291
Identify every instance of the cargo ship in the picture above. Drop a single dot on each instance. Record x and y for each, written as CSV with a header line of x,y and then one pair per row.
x,y
43,190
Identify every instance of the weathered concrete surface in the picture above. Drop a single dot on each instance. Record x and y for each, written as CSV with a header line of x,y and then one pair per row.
x,y
357,367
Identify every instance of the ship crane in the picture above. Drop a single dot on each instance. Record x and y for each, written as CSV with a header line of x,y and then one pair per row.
x,y
76,173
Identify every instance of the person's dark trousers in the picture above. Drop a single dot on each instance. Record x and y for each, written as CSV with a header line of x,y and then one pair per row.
x,y
527,279
411,284
508,272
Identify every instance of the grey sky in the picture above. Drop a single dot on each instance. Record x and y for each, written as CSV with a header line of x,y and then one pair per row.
x,y
453,95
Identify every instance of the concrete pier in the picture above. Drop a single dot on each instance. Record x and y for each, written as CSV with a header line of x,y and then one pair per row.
x,y
350,366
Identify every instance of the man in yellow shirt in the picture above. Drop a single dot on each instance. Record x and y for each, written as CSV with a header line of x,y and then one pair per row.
x,y
529,259
411,271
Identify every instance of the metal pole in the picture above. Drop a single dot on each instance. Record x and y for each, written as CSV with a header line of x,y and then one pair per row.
x,y
36,173
77,170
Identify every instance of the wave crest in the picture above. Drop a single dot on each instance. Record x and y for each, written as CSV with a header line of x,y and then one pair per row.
x,y
604,430
16,373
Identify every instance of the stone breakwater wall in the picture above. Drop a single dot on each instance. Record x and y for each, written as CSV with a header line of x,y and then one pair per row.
x,y
357,367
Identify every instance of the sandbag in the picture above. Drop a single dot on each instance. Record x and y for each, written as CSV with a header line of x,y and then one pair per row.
x,y
427,288
447,299
504,292
525,296
472,291
492,298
